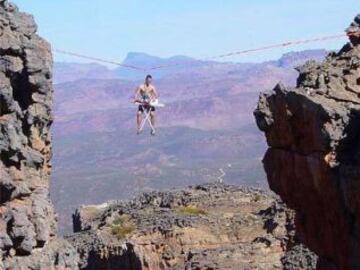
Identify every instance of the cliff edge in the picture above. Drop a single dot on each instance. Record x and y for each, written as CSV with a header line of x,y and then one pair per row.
x,y
210,226
313,160
28,223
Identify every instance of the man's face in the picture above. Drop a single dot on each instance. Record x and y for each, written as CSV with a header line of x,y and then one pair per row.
x,y
148,81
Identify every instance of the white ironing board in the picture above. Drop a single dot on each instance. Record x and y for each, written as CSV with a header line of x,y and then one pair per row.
x,y
146,109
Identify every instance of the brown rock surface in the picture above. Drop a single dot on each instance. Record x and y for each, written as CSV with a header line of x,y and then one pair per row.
x,y
27,224
211,226
313,157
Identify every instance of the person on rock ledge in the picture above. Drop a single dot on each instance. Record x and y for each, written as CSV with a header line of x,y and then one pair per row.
x,y
147,93
353,31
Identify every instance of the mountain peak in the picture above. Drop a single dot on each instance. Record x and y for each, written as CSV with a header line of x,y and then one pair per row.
x,y
295,58
146,60
141,59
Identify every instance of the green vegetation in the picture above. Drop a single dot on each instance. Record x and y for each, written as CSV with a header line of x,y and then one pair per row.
x,y
257,198
192,210
122,226
118,221
122,231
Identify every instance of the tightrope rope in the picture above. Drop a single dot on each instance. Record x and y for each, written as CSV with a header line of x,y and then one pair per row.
x,y
196,62
279,45
97,59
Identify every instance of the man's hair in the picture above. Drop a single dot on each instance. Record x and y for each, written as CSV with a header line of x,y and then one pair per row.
x,y
148,77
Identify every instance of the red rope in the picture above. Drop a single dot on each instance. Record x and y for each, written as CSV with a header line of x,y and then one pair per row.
x,y
193,62
284,44
98,59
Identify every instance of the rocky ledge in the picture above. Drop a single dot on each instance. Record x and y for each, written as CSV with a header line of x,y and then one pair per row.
x,y
211,226
313,160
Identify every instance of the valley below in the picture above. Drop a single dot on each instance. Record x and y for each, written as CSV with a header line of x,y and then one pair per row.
x,y
79,190
206,132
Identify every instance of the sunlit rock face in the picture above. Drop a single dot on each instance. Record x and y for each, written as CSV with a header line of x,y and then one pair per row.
x,y
209,226
28,223
313,160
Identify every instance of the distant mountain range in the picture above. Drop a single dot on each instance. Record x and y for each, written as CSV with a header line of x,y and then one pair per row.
x,y
207,125
65,71
179,62
75,71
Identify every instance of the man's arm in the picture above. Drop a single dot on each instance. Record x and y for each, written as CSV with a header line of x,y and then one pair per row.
x,y
137,93
156,94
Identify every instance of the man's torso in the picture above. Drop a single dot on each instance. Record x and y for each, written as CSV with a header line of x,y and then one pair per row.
x,y
147,91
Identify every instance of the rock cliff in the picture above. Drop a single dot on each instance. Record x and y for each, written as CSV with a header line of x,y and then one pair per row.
x,y
28,223
205,227
313,160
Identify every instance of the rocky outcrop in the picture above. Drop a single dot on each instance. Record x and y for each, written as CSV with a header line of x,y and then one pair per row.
x,y
27,224
210,226
313,160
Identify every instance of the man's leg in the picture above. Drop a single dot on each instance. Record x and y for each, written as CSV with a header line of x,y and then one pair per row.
x,y
152,120
139,119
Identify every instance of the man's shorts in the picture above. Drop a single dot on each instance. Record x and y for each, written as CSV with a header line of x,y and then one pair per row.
x,y
147,108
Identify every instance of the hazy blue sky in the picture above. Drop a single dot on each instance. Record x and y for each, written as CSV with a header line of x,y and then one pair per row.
x,y
201,28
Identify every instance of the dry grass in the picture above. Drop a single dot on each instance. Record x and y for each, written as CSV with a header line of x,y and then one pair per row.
x,y
122,227
257,198
192,210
